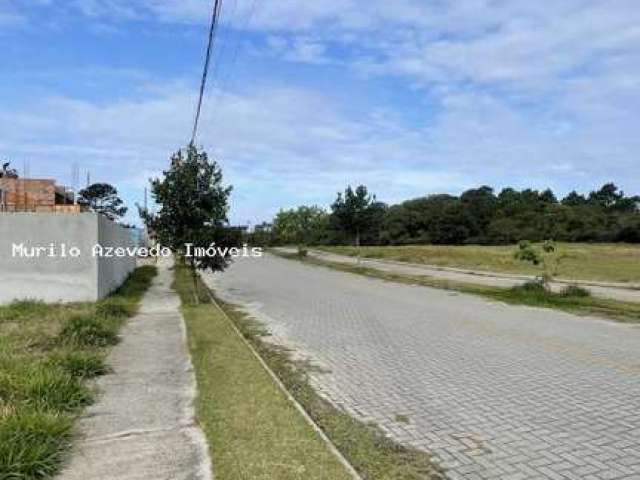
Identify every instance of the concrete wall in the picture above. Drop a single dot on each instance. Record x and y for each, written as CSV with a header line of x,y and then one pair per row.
x,y
59,278
113,271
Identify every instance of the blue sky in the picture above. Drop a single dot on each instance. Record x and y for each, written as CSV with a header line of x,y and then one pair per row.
x,y
408,97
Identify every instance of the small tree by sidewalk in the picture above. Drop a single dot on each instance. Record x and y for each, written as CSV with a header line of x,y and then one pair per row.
x,y
547,257
193,211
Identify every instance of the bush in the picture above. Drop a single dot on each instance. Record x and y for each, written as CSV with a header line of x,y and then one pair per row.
x,y
527,253
88,331
575,291
32,444
80,364
533,286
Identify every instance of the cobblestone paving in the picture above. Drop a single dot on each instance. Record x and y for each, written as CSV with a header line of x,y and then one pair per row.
x,y
494,391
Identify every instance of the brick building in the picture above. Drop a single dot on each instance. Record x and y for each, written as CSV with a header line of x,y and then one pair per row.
x,y
35,195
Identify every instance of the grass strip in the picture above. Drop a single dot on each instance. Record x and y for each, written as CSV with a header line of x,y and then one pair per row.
x,y
625,312
47,351
254,431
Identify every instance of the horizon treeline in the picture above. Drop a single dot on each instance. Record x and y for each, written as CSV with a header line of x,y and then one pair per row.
x,y
477,216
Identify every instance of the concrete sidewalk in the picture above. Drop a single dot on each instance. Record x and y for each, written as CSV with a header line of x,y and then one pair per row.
x,y
614,291
142,425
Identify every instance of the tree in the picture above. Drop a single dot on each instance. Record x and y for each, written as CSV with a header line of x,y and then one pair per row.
x,y
193,211
478,216
302,225
548,257
353,210
481,203
103,198
574,199
611,198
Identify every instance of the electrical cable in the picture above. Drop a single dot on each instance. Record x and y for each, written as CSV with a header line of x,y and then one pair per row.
x,y
215,18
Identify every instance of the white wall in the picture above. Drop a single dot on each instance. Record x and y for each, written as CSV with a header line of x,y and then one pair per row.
x,y
113,271
52,279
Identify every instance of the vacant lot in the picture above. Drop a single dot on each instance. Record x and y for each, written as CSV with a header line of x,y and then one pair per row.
x,y
46,354
606,262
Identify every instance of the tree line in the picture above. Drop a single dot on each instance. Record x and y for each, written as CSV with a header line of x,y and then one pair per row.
x,y
477,216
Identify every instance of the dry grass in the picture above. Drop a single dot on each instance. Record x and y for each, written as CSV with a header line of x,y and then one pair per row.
x,y
604,262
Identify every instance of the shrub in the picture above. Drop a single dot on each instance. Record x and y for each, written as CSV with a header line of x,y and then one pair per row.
x,y
533,286
80,364
527,253
88,331
32,444
575,291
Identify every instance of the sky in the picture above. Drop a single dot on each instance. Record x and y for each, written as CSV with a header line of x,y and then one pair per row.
x,y
411,97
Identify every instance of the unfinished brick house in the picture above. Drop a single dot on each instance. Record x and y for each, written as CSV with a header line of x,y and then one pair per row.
x,y
35,195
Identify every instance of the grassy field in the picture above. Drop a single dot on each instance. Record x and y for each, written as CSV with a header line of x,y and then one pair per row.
x,y
573,300
46,354
253,430
605,262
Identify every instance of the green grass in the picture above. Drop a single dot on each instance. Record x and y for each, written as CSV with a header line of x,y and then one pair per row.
x,y
80,364
89,331
254,431
32,443
571,299
46,353
604,262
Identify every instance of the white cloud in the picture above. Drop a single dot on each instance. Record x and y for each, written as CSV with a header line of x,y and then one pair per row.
x,y
293,143
531,93
281,146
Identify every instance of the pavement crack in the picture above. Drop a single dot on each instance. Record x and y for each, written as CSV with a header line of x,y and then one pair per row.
x,y
140,432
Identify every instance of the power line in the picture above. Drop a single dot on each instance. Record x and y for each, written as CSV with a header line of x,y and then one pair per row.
x,y
215,18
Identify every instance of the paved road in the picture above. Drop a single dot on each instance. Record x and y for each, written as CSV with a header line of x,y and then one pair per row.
x,y
142,426
617,291
495,391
